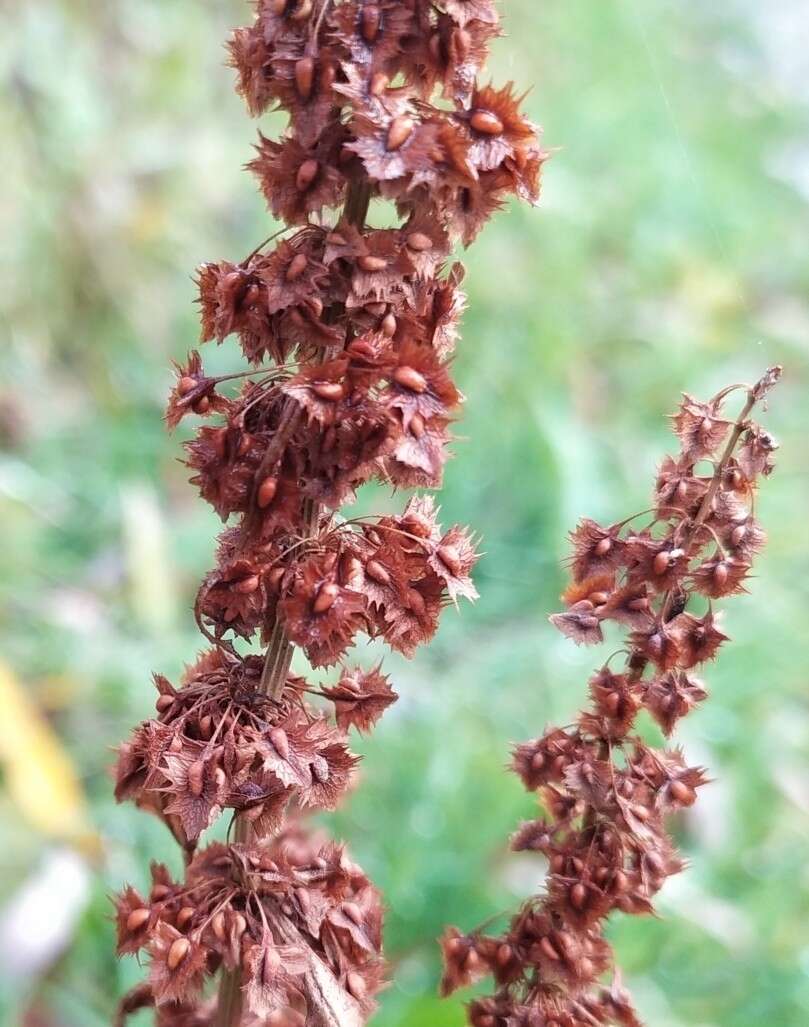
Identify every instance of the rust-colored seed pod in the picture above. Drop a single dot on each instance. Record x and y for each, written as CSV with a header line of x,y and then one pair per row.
x,y
304,77
333,392
164,702
185,916
410,378
660,564
399,131
280,740
302,10
296,267
307,173
326,597
450,557
186,385
370,21
379,83
486,123
419,242
377,572
389,325
177,952
248,585
603,546
136,919
372,264
196,778
267,492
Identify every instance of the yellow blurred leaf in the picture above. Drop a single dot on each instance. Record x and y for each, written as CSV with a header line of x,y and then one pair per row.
x,y
39,774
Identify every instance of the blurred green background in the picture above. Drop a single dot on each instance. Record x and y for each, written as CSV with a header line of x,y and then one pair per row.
x,y
670,253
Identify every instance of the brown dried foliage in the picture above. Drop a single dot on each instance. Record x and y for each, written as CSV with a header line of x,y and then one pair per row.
x,y
606,794
348,331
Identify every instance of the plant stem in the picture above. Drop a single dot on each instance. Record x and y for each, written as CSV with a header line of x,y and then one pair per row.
x,y
279,650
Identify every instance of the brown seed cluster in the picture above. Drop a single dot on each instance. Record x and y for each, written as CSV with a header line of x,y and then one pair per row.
x,y
606,794
348,331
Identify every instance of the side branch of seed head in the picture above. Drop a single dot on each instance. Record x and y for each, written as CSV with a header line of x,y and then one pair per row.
x,y
605,794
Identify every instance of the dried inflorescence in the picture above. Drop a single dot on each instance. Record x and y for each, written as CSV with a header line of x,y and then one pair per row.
x,y
604,792
349,331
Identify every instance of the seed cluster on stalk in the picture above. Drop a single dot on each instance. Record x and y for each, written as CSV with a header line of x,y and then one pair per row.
x,y
348,331
605,794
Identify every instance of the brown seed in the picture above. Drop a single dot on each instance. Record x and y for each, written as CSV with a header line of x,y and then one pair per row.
x,y
245,442
410,378
239,926
417,425
231,613
369,263
270,964
206,726
370,20
307,173
641,812
486,123
218,925
302,11
326,597
202,405
304,77
682,793
356,985
537,761
164,702
379,83
620,882
504,954
266,492
451,558
136,919
578,896
612,703
185,916
160,892
586,967
565,942
455,945
297,266
280,740
180,948
599,598
602,547
186,384
399,131
720,574
248,585
661,562
737,535
377,572
472,962
196,778
388,325
547,947
419,242
333,392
